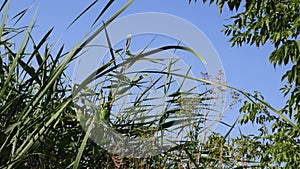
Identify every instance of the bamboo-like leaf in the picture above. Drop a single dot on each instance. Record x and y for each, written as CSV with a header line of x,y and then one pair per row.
x,y
40,44
182,83
3,4
109,46
107,23
147,89
103,11
30,70
231,128
4,17
166,84
21,48
101,72
75,50
82,13
83,144
20,15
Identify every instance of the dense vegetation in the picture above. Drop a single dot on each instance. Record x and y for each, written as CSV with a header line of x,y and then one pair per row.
x,y
39,127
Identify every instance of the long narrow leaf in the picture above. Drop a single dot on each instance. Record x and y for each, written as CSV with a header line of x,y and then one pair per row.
x,y
14,64
82,13
83,144
103,10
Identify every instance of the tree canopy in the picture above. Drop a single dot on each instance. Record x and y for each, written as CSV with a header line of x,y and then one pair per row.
x,y
276,23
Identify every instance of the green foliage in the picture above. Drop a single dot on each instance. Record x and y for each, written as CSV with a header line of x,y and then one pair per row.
x,y
276,23
38,123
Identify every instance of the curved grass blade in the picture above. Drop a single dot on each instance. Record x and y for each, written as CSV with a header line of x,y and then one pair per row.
x,y
4,17
3,4
83,144
103,10
82,13
109,46
20,15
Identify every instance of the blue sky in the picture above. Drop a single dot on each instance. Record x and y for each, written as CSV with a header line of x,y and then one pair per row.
x,y
245,67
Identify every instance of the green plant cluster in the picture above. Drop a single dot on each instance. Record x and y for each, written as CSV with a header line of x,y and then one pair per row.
x,y
39,127
275,23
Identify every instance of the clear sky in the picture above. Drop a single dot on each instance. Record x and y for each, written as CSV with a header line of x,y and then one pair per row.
x,y
245,67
